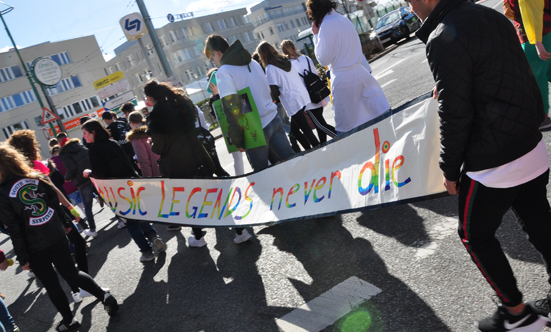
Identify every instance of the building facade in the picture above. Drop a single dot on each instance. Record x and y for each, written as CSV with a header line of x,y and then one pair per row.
x,y
81,62
183,43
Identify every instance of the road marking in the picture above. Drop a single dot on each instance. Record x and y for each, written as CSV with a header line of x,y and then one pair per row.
x,y
383,73
426,60
498,4
327,308
387,83
437,233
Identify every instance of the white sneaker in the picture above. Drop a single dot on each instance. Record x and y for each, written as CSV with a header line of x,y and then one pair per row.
x,y
159,245
121,225
147,256
244,237
90,233
77,298
31,274
193,242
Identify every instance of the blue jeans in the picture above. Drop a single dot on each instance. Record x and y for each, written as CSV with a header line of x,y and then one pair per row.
x,y
141,233
87,194
6,320
277,146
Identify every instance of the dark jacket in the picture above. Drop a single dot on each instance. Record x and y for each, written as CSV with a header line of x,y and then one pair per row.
x,y
108,160
118,130
30,210
490,105
173,137
75,159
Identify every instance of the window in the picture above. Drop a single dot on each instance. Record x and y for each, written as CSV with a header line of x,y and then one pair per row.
x,y
10,73
164,42
131,62
188,74
209,26
232,22
279,27
61,58
184,33
193,31
246,19
246,37
221,24
173,36
298,22
17,100
177,58
271,31
196,50
292,24
94,101
118,66
304,20
77,108
9,130
199,71
64,85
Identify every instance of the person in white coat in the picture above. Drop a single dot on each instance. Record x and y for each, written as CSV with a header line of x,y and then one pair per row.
x,y
357,96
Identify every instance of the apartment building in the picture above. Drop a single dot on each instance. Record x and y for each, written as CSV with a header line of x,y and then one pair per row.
x,y
277,20
81,62
183,44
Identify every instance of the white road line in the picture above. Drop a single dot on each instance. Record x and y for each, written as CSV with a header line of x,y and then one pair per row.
x,y
498,4
424,60
327,308
397,63
387,83
383,74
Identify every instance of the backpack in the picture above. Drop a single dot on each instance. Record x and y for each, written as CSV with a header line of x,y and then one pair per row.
x,y
317,88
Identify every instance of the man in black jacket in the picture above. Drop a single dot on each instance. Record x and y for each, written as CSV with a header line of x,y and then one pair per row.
x,y
490,111
118,131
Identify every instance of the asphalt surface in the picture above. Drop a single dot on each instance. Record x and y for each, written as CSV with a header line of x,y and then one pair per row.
x,y
410,252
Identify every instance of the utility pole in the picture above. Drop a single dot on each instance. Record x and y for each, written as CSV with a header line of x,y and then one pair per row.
x,y
154,38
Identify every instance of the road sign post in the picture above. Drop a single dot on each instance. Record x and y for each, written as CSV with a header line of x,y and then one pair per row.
x,y
47,73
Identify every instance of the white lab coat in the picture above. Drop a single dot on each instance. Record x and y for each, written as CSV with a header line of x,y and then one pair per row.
x,y
357,96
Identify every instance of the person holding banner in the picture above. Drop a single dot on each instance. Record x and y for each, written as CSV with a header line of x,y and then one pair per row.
x,y
286,83
171,125
357,96
108,160
492,153
31,211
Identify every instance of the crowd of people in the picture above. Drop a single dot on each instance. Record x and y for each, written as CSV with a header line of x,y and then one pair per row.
x,y
500,165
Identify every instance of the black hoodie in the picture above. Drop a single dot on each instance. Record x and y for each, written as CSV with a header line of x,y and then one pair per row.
x,y
236,55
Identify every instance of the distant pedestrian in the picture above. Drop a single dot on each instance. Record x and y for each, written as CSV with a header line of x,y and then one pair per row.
x,y
139,138
357,96
127,108
145,112
492,153
286,84
303,64
37,229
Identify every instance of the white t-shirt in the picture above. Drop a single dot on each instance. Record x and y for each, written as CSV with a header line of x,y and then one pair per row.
x,y
231,79
293,93
300,65
202,122
516,172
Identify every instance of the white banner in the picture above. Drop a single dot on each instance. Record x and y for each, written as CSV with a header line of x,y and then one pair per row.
x,y
394,159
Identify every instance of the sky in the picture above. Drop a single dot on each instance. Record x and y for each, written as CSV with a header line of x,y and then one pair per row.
x,y
33,22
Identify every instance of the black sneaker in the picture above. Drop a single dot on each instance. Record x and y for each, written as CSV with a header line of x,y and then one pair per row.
x,y
110,304
503,321
542,308
61,327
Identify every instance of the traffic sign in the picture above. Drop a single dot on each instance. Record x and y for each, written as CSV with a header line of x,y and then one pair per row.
x,y
48,116
133,26
119,100
46,71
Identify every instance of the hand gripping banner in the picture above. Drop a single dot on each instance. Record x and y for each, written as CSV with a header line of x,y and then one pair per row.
x,y
392,159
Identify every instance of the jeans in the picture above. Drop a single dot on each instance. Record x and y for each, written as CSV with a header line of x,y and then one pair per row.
x,y
6,320
59,255
141,233
87,193
481,211
277,146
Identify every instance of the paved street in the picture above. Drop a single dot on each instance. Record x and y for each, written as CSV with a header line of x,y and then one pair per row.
x,y
401,268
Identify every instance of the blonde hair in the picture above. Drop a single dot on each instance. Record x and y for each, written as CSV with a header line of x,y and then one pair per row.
x,y
14,163
25,141
289,49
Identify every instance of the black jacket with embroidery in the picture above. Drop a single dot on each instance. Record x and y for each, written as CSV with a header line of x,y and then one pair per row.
x,y
32,215
490,105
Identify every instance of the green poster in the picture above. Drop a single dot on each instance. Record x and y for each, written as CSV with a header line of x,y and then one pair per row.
x,y
253,133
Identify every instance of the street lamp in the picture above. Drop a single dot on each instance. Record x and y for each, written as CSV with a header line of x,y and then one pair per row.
x,y
2,13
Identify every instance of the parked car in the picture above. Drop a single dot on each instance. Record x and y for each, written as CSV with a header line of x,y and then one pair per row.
x,y
396,25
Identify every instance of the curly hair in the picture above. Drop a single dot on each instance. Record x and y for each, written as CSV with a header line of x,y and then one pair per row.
x,y
14,163
25,142
317,9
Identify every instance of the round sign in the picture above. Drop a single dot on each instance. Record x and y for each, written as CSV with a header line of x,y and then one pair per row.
x,y
170,18
47,71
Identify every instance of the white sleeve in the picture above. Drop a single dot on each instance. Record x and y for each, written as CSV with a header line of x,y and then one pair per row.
x,y
271,75
226,85
366,64
202,120
324,48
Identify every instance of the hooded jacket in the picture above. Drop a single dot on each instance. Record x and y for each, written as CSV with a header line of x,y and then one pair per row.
x,y
146,158
74,157
236,55
30,210
108,160
490,105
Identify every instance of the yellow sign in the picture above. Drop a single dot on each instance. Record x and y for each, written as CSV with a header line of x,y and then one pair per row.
x,y
108,80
